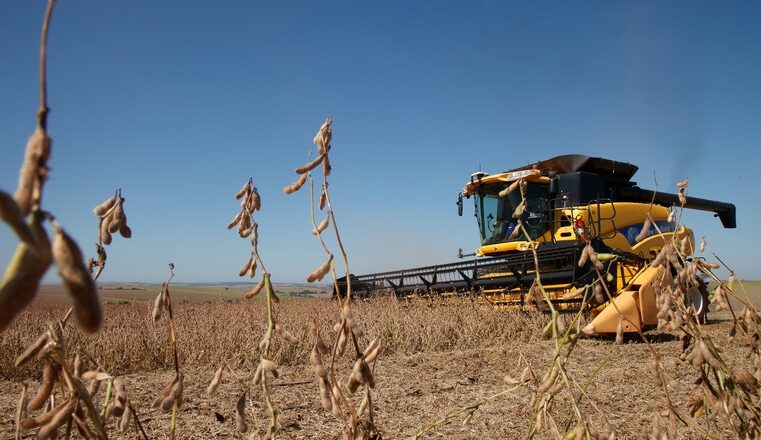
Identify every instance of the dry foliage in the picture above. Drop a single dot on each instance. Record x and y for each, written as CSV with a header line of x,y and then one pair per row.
x,y
275,330
723,389
338,394
172,396
25,215
129,343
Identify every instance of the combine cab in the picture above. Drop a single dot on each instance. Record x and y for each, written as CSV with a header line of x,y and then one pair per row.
x,y
568,202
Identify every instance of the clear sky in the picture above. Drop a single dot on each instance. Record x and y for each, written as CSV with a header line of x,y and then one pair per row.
x,y
179,103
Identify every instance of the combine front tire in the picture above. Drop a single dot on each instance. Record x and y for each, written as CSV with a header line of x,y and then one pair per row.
x,y
698,298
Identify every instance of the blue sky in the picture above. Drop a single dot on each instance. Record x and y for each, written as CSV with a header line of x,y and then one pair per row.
x,y
178,103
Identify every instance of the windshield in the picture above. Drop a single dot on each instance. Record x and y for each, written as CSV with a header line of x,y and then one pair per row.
x,y
495,214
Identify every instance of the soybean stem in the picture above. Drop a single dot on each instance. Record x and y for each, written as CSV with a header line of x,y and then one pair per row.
x,y
42,113
137,420
173,337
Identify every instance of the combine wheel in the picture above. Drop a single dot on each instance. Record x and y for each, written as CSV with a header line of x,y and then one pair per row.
x,y
698,297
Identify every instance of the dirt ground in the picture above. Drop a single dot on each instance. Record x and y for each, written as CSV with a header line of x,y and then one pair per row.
x,y
415,390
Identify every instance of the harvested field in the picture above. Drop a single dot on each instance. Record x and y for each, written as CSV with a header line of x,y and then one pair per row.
x,y
437,358
195,293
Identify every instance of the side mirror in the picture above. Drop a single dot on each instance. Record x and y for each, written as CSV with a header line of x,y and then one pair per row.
x,y
553,190
459,204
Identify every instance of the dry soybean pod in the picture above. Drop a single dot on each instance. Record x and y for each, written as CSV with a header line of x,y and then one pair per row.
x,y
323,198
103,227
246,232
285,334
177,390
311,165
292,188
50,429
78,281
252,269
256,200
342,339
92,388
165,393
268,364
120,218
708,355
270,289
336,403
367,375
11,214
235,220
243,190
323,224
519,210
174,395
325,397
516,231
124,423
371,351
681,194
549,381
103,208
354,381
584,256
77,365
240,414
323,135
322,347
593,257
32,169
258,375
99,376
23,275
513,186
320,272
556,388
326,168
125,231
246,266
697,356
363,406
215,381
120,398
645,230
42,419
32,350
255,291
49,374
158,306
661,257
319,370
245,223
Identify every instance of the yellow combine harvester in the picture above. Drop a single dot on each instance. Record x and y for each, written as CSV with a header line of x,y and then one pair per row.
x,y
567,202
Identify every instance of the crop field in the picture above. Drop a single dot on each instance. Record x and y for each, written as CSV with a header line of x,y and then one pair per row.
x,y
135,293
612,340
437,357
